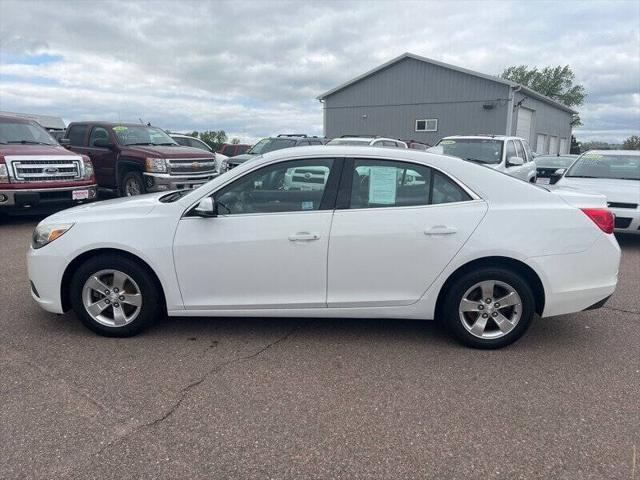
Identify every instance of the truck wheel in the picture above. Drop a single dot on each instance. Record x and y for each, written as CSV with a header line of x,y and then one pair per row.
x,y
489,308
114,296
132,184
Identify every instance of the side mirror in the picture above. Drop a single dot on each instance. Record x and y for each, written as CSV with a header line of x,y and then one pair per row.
x,y
206,208
65,142
102,143
515,161
560,171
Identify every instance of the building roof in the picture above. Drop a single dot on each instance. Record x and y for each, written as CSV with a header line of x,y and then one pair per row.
x,y
526,90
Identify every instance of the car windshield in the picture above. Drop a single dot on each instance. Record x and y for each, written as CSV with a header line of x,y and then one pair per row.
x,y
481,150
12,131
349,141
270,144
553,161
604,165
142,135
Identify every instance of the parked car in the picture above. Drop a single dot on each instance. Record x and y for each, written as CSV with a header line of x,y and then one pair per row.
x,y
134,159
510,155
366,141
189,141
615,174
476,260
415,145
233,149
550,168
270,144
36,173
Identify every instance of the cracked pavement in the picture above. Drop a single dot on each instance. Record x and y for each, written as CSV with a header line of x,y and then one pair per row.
x,y
299,398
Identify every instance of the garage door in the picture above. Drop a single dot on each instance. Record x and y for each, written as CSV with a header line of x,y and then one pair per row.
x,y
563,146
523,125
541,144
553,145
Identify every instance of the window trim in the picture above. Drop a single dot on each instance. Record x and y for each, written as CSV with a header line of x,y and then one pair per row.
x,y
426,120
343,200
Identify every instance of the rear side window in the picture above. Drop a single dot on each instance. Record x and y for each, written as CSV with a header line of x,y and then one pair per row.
x,y
77,134
182,141
387,183
520,150
527,149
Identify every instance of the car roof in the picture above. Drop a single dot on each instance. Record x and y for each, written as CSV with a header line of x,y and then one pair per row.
x,y
482,137
614,152
182,135
112,124
17,119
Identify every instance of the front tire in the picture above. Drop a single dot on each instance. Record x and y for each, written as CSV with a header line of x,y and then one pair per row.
x,y
132,184
115,296
488,308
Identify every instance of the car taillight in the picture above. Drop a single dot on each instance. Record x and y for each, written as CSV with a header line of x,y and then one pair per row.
x,y
602,217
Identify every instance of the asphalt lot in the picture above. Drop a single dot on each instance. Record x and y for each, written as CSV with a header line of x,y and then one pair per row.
x,y
304,399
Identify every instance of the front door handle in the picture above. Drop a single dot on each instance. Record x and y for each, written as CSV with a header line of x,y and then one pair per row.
x,y
303,237
440,230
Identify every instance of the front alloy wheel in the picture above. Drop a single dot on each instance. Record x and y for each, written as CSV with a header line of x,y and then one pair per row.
x,y
112,298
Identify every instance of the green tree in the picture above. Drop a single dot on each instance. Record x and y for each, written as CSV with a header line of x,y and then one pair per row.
x,y
632,143
553,82
213,138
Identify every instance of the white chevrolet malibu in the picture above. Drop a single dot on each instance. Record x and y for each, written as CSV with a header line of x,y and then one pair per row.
x,y
334,232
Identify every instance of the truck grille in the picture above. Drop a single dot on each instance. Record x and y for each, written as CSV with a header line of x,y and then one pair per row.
x,y
187,166
54,170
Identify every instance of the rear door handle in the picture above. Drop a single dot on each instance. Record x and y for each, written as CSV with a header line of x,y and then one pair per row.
x,y
440,230
303,237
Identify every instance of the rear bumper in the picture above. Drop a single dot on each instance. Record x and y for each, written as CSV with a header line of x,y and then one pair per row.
x,y
575,282
159,182
43,198
627,220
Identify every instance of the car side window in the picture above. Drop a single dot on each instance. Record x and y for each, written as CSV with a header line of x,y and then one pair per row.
x,y
389,143
520,151
389,183
76,135
527,150
96,134
510,150
293,186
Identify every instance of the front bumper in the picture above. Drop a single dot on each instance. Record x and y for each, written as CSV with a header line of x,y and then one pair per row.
x,y
627,220
45,267
159,182
43,198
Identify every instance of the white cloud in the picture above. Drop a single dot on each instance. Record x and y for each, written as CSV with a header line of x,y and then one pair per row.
x,y
255,68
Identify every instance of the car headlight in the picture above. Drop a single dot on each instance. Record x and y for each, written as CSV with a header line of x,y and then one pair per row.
x,y
88,169
157,165
4,173
45,234
224,165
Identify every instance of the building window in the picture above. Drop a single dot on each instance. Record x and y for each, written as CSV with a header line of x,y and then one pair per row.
x,y
427,125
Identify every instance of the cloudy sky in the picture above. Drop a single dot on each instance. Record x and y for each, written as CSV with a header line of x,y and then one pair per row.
x,y
254,68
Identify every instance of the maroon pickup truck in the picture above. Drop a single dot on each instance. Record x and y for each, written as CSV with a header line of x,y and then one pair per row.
x,y
133,158
36,173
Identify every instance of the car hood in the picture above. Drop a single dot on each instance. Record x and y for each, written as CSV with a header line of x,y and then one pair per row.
x,y
623,191
127,207
241,158
19,149
168,152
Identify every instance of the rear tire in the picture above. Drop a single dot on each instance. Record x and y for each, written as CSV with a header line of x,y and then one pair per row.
x,y
115,296
132,184
488,308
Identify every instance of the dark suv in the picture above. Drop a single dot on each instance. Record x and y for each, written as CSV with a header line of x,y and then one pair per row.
x,y
133,158
269,144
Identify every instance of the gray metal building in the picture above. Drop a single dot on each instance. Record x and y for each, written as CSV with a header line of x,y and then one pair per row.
x,y
413,97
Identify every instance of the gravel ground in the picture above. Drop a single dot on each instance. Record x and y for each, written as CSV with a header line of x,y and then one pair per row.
x,y
305,399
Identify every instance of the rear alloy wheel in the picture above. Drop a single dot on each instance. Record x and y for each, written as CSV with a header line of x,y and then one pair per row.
x,y
133,184
114,296
489,308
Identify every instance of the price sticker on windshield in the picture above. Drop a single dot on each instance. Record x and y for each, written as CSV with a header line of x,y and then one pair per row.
x,y
447,142
119,128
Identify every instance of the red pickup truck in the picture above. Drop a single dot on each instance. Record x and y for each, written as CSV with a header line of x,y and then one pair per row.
x,y
36,173
132,158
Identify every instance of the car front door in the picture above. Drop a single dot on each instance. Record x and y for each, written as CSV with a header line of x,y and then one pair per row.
x,y
266,248
103,158
396,226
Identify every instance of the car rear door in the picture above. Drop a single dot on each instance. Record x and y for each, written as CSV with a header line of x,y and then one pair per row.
x,y
396,226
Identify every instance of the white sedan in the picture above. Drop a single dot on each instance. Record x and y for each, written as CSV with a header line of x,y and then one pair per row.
x,y
614,174
392,233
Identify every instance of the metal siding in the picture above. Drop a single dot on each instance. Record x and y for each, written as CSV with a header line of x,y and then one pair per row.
x,y
547,119
394,98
